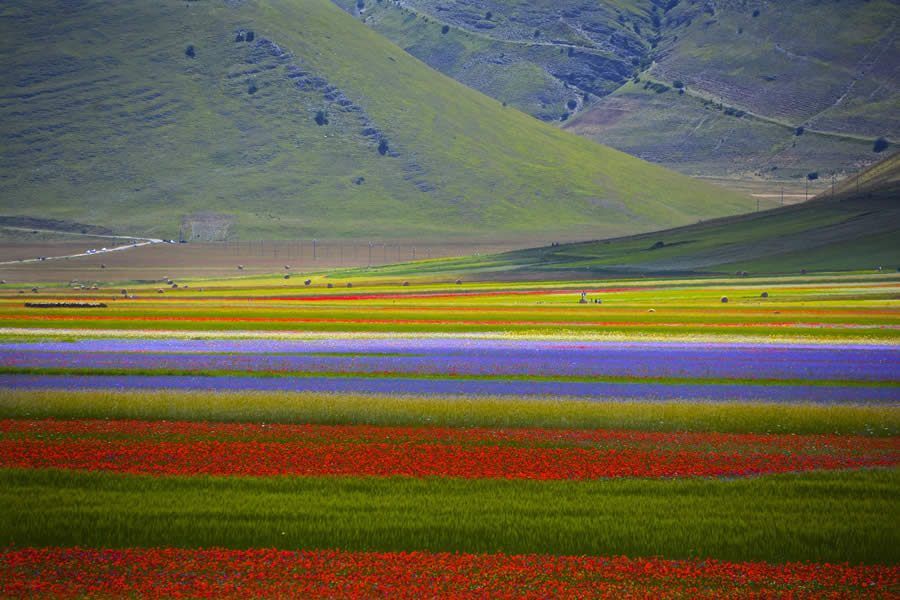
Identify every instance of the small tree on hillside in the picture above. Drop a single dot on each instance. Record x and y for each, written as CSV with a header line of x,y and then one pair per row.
x,y
880,145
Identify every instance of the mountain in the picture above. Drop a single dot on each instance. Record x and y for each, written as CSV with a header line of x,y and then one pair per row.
x,y
748,89
291,119
855,228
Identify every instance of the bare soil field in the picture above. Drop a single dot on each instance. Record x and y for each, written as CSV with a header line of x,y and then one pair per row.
x,y
216,259
771,189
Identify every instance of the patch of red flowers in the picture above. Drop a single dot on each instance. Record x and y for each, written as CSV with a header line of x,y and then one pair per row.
x,y
223,573
247,449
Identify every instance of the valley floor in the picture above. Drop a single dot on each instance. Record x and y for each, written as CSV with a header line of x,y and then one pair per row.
x,y
363,437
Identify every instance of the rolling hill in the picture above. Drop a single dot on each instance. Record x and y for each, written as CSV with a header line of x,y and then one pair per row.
x,y
291,119
752,74
856,228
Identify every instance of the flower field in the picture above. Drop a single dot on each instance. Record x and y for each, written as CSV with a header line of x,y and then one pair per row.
x,y
489,440
185,448
640,370
220,573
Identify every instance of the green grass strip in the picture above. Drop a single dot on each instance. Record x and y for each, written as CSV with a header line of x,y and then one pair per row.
x,y
453,411
831,517
169,372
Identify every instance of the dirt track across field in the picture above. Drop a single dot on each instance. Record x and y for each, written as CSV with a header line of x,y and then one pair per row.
x,y
156,261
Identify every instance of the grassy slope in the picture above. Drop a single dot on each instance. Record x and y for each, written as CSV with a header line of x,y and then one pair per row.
x,y
790,65
824,66
793,62
533,72
852,230
692,135
102,112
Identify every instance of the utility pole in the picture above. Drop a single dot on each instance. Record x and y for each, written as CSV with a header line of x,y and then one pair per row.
x,y
807,189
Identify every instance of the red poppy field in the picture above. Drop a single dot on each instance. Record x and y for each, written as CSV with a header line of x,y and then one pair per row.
x,y
222,573
185,448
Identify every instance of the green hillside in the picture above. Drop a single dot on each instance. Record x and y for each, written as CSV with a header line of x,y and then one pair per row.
x,y
133,114
753,73
525,53
856,228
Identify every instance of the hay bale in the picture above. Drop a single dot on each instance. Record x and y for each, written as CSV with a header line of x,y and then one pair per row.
x,y
240,267
124,292
764,295
724,300
458,281
160,291
307,282
405,284
652,310
102,265
349,284
287,267
288,276
330,285
34,290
